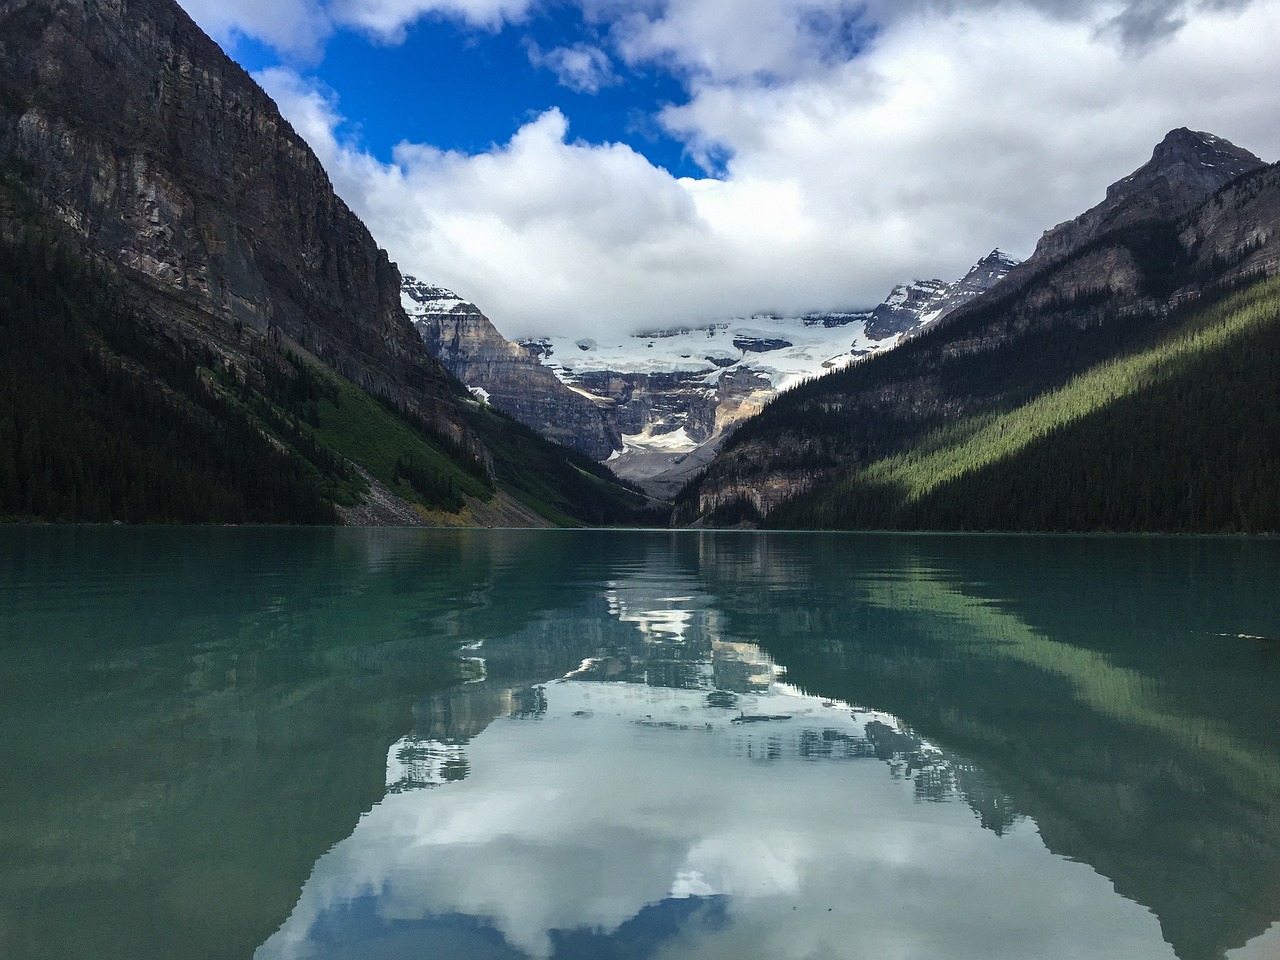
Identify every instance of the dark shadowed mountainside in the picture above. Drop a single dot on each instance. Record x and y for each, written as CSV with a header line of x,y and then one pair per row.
x,y
1120,379
182,272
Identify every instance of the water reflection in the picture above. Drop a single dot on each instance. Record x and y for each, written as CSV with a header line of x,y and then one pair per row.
x,y
597,744
622,818
671,795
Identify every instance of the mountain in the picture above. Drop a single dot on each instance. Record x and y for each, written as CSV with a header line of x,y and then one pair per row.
x,y
197,327
911,307
505,374
1120,379
1185,168
673,394
164,157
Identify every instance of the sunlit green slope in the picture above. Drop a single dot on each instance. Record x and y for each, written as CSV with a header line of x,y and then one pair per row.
x,y
1180,435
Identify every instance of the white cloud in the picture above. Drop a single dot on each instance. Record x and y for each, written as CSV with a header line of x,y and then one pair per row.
x,y
583,67
948,135
299,29
731,41
296,28
387,19
635,813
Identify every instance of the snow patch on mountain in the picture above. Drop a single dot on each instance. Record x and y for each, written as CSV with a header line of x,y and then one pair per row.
x,y
669,396
785,349
673,442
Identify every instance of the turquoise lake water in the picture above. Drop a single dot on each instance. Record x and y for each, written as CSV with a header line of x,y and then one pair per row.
x,y
280,743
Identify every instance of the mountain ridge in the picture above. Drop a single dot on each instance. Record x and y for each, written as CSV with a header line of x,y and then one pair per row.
x,y
504,373
173,165
242,288
657,404
1120,292
1185,168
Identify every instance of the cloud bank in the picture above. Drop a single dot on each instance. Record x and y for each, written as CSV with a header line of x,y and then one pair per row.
x,y
849,146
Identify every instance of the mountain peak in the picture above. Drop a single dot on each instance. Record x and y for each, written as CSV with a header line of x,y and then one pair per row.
x,y
996,256
1185,169
1190,163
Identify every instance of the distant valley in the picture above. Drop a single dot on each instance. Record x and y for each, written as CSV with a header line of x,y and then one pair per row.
x,y
656,405
1120,379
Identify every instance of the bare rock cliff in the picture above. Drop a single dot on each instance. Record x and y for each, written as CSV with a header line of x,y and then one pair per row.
x,y
1185,169
506,374
166,160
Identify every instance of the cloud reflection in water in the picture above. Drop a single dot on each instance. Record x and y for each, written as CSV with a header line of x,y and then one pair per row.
x,y
686,802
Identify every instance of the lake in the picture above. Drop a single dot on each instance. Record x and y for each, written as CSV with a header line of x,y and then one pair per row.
x,y
394,743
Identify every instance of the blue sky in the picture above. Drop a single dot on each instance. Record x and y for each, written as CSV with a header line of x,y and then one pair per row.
x,y
574,166
464,87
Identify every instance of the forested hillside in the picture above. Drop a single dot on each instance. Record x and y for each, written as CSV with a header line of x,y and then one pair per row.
x,y
99,422
102,419
1126,382
1182,435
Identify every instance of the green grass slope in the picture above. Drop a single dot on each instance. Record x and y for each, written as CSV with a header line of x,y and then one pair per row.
x,y
1182,434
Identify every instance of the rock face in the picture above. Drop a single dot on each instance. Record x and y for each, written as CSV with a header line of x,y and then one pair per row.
x,y
1185,168
905,308
167,161
982,276
911,307
1238,229
505,374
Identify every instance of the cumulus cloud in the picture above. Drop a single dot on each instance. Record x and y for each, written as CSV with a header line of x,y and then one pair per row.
x,y
752,38
947,135
296,28
299,29
785,39
583,67
387,19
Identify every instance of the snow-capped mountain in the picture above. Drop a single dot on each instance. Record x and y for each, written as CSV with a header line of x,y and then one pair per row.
x,y
504,374
674,392
910,307
656,404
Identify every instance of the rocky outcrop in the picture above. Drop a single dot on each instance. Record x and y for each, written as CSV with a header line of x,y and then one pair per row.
x,y
904,308
1238,230
655,402
1185,169
505,374
981,277
910,307
165,160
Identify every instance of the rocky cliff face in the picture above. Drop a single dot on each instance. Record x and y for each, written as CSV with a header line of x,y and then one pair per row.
x,y
982,276
506,374
911,307
168,162
904,308
1185,168
1237,231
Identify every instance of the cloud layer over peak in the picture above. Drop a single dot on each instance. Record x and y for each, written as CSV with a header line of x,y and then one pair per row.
x,y
847,146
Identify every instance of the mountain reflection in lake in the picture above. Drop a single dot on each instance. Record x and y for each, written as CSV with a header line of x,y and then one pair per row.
x,y
681,746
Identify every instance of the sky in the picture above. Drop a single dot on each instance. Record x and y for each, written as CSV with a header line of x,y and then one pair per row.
x,y
593,166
